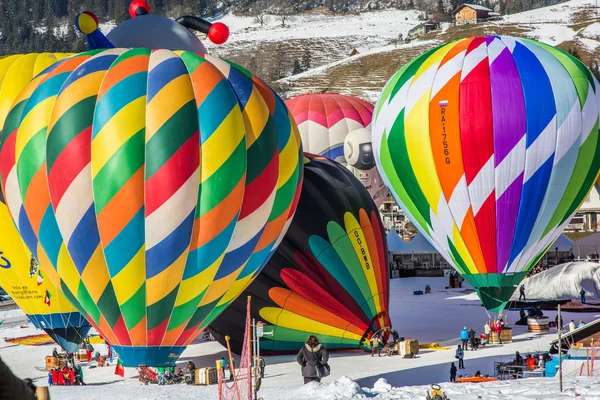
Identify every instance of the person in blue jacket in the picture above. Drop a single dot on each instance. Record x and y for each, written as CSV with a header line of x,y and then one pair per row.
x,y
464,337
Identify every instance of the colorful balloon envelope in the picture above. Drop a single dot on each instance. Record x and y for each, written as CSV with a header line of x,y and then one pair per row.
x,y
156,183
21,276
339,127
329,275
490,145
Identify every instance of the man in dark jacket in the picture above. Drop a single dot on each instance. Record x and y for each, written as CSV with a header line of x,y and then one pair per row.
x,y
12,387
452,372
311,357
472,339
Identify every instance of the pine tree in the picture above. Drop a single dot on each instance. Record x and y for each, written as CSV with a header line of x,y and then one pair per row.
x,y
297,68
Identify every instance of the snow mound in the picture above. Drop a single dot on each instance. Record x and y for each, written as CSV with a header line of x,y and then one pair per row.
x,y
15,312
563,282
382,386
343,388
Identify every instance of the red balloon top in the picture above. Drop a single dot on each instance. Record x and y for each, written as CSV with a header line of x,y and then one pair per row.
x,y
139,7
218,33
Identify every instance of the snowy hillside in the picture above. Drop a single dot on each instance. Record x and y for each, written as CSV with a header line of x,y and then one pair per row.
x,y
571,25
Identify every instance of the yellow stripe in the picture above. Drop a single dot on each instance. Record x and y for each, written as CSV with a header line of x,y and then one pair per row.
x,y
222,143
43,61
219,287
235,289
95,275
84,88
47,266
193,286
256,115
121,127
128,281
290,320
34,121
167,102
159,286
360,244
288,161
67,271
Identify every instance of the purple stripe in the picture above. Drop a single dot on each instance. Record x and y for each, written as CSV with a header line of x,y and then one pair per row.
x,y
506,216
508,116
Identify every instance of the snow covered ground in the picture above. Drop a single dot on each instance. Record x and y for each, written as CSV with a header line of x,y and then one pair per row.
x,y
437,317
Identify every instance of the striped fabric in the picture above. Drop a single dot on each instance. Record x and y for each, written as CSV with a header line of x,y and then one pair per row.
x,y
490,144
157,183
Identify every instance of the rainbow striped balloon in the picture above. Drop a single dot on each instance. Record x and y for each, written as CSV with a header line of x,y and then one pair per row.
x,y
157,183
490,145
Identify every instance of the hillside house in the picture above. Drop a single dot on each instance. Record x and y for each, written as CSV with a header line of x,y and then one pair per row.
x,y
471,14
420,30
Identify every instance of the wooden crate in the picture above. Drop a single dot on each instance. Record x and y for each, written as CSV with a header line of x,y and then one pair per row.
x,y
538,324
206,376
409,346
506,336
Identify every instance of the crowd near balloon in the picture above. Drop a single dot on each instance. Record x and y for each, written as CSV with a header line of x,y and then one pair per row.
x,y
148,188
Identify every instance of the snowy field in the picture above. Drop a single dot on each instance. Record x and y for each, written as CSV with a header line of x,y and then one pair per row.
x,y
437,317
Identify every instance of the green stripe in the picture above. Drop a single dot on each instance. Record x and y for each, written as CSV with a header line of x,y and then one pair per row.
x,y
262,151
284,197
132,53
404,170
222,182
12,121
118,170
134,309
31,160
183,312
88,303
160,311
201,313
285,338
72,299
170,137
192,61
77,118
109,305
459,263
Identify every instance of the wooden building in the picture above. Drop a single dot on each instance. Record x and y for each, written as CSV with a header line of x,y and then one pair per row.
x,y
471,14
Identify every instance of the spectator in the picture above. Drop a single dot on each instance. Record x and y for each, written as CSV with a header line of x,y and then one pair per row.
x,y
464,337
582,295
581,323
460,354
522,292
571,326
375,346
13,386
452,373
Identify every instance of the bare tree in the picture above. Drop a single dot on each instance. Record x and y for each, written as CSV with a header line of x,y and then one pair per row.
x,y
283,9
260,11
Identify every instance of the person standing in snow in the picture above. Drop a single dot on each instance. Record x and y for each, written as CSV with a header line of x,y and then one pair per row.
x,y
571,326
582,295
375,346
464,337
581,323
460,355
488,331
472,339
522,293
395,336
311,357
452,373
161,375
497,327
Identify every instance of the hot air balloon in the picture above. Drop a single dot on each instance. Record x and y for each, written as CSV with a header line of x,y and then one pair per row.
x,y
490,145
156,183
339,127
329,275
20,275
25,283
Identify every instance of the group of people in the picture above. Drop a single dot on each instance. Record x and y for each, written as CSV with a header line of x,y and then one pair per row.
x,y
532,363
467,337
65,376
495,327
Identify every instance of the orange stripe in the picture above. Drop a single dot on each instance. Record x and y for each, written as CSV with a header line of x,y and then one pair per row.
x,y
193,337
297,304
69,64
137,334
272,231
171,336
461,45
367,229
266,93
217,219
204,79
469,234
122,208
107,333
37,198
122,70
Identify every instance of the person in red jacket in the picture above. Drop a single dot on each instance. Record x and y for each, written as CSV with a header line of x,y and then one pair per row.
x,y
61,377
54,373
71,376
498,329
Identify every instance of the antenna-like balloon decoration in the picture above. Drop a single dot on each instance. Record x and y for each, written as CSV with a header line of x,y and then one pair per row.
x,y
137,8
217,32
87,23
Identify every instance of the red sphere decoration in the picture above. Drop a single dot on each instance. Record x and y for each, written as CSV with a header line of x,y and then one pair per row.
x,y
218,33
137,5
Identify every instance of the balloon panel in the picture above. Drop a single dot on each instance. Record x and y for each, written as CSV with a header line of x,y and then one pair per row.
x,y
160,185
489,144
329,275
339,127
